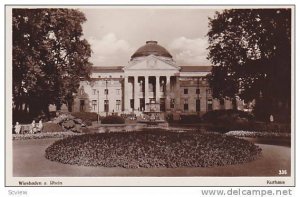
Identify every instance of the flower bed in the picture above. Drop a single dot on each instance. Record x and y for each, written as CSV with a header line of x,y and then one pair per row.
x,y
152,149
28,136
241,133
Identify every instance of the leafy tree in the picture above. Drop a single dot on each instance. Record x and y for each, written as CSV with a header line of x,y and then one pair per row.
x,y
49,57
251,53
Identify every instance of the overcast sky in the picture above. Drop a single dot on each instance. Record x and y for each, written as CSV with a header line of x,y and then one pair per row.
x,y
116,33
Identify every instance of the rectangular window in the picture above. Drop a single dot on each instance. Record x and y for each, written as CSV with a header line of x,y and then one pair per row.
x,y
106,105
163,87
118,105
151,87
94,104
185,91
162,102
131,103
186,105
117,91
94,91
81,105
142,104
209,104
197,105
141,86
197,91
81,91
208,91
106,91
172,103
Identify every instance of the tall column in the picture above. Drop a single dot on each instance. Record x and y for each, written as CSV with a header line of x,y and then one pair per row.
x,y
136,94
177,94
157,89
146,90
168,87
126,95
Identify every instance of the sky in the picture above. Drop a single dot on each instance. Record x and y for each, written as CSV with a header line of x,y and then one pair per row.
x,y
116,33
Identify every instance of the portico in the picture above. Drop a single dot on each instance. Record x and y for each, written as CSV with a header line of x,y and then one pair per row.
x,y
142,90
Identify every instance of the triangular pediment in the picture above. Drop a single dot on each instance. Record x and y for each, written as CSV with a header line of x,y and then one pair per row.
x,y
152,62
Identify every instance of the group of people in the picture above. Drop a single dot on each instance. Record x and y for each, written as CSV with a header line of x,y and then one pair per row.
x,y
34,127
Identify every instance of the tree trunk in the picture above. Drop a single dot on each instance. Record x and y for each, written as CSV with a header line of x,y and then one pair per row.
x,y
234,104
35,107
58,105
70,105
46,110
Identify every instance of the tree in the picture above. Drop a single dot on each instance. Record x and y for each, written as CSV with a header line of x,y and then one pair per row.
x,y
49,57
251,53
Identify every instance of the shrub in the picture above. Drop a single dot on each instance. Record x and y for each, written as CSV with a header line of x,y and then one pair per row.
x,y
85,116
76,128
78,121
88,123
50,127
226,120
62,118
224,127
189,119
113,120
225,116
271,127
69,124
86,130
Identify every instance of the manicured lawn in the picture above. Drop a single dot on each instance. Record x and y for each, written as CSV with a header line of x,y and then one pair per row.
x,y
153,150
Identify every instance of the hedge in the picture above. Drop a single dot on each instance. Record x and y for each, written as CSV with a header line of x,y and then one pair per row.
x,y
86,116
113,120
190,119
216,116
51,127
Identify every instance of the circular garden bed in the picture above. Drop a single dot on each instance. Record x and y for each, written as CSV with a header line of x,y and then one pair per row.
x,y
152,149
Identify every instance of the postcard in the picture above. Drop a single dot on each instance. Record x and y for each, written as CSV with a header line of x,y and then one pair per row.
x,y
149,95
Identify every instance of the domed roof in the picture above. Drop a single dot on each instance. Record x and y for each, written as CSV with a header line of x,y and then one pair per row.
x,y
151,48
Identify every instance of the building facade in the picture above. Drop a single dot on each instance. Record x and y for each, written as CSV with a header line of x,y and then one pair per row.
x,y
151,78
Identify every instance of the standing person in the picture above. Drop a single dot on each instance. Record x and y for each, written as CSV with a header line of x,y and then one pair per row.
x,y
17,128
271,118
40,126
33,127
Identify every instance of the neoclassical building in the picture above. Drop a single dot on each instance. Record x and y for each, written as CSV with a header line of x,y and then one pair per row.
x,y
151,78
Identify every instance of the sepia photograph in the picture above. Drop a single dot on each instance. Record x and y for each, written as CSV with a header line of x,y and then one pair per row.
x,y
149,95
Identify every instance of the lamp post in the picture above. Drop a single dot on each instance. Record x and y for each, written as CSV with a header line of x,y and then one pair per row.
x,y
98,117
106,97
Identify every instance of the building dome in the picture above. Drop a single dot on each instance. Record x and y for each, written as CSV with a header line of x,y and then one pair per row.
x,y
151,48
